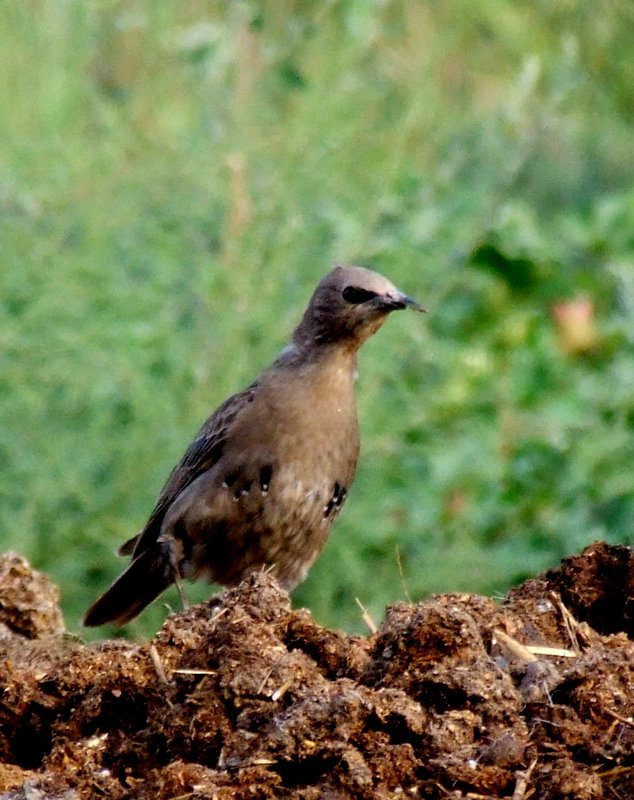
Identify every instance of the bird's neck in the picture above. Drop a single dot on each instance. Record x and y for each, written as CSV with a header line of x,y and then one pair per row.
x,y
335,357
323,379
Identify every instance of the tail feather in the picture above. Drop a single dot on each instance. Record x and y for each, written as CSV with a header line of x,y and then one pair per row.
x,y
148,575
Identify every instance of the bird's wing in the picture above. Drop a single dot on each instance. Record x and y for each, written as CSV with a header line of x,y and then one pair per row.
x,y
201,455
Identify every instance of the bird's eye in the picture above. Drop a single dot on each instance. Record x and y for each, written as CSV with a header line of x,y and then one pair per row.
x,y
356,295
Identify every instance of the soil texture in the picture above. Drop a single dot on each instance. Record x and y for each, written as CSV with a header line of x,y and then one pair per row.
x,y
242,697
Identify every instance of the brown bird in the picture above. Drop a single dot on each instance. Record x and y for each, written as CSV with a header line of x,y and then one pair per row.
x,y
265,478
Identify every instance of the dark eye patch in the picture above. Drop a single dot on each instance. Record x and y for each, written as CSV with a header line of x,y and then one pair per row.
x,y
356,295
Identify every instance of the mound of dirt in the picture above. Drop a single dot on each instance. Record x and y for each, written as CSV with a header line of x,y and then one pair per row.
x,y
242,697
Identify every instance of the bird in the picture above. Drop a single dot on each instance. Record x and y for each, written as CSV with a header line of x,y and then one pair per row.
x,y
269,471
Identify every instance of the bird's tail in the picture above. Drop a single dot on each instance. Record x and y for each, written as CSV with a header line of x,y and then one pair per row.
x,y
148,575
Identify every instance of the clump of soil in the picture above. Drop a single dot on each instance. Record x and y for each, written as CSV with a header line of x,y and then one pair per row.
x,y
242,697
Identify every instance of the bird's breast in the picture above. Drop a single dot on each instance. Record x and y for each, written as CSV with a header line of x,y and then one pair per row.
x,y
280,483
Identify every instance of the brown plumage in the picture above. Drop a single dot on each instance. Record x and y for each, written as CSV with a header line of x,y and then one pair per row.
x,y
263,481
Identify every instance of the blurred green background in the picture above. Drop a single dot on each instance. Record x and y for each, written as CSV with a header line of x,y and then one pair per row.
x,y
176,177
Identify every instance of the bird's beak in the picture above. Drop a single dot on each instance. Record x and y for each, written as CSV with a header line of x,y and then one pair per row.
x,y
393,302
409,303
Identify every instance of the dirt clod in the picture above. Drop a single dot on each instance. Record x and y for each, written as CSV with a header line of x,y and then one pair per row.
x,y
242,697
29,602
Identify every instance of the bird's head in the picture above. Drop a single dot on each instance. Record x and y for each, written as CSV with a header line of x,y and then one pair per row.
x,y
348,306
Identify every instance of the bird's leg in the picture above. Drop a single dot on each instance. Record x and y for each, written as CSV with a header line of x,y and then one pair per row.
x,y
178,581
172,554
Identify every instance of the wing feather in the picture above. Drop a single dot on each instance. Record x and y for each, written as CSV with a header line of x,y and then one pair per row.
x,y
200,456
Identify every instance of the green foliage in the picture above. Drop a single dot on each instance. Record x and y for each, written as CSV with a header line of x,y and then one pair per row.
x,y
174,178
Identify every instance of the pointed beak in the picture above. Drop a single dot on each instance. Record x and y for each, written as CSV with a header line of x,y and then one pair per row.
x,y
409,303
394,302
